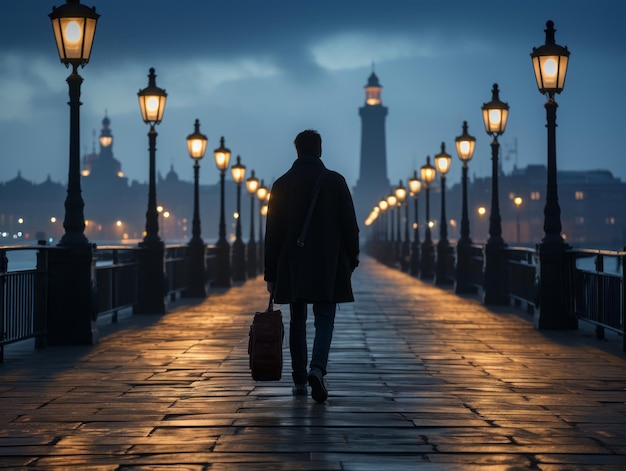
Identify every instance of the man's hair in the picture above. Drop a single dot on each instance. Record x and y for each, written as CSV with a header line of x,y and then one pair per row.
x,y
309,142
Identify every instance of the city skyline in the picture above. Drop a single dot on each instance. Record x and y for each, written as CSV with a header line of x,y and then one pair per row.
x,y
258,74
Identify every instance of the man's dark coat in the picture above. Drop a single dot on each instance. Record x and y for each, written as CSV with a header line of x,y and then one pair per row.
x,y
319,271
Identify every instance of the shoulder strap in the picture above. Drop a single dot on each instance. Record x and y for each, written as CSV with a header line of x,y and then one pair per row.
x,y
305,226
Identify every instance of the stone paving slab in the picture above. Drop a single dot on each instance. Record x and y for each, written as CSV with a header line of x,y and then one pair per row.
x,y
419,378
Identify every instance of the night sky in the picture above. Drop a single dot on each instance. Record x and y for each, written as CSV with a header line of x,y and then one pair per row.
x,y
258,72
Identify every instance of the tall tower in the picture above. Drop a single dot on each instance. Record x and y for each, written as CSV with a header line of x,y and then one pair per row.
x,y
373,183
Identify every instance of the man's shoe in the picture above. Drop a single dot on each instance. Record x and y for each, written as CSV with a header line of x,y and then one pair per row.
x,y
299,390
318,389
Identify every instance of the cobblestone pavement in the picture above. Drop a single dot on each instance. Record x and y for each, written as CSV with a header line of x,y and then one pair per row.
x,y
419,378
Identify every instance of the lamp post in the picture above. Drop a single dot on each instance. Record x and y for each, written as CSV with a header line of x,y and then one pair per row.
x,y
444,274
263,211
196,250
465,145
252,184
392,202
372,239
403,245
384,244
74,27
222,275
517,201
71,297
550,65
262,193
415,185
427,267
152,289
239,248
495,115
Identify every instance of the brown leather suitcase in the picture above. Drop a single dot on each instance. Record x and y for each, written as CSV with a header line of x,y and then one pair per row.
x,y
265,345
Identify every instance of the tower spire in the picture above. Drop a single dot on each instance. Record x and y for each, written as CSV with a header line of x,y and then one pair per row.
x,y
373,182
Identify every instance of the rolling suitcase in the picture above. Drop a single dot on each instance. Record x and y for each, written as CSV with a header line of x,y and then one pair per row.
x,y
265,345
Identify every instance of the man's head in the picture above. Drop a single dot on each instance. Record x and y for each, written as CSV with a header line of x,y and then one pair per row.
x,y
308,142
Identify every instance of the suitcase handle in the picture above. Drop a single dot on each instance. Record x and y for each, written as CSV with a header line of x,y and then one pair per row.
x,y
270,305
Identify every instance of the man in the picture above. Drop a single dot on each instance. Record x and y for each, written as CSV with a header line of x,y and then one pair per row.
x,y
316,270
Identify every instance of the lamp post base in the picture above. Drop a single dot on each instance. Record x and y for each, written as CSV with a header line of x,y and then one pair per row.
x,y
414,267
239,261
496,279
196,270
463,269
251,260
222,261
555,310
72,296
427,267
444,275
151,296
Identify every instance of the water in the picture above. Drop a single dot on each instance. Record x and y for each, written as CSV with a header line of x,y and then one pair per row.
x,y
21,259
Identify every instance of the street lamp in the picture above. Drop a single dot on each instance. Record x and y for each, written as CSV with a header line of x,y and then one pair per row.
x,y
384,245
252,185
415,185
152,104
550,65
71,271
495,115
222,275
239,248
427,267
261,193
74,27
403,252
517,201
445,252
465,145
152,256
196,284
264,208
392,202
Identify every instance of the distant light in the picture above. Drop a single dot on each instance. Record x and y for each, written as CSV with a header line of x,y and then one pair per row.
x,y
118,223
53,219
236,215
20,220
166,214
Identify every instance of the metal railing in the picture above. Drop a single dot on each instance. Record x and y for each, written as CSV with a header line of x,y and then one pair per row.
x,y
522,277
598,291
23,288
23,299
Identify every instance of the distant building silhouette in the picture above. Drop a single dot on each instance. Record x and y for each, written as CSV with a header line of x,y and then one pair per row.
x,y
591,204
115,210
373,183
591,201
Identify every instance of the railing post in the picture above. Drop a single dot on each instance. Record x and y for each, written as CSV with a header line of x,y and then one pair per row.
x,y
3,269
113,287
72,303
41,299
599,262
623,301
